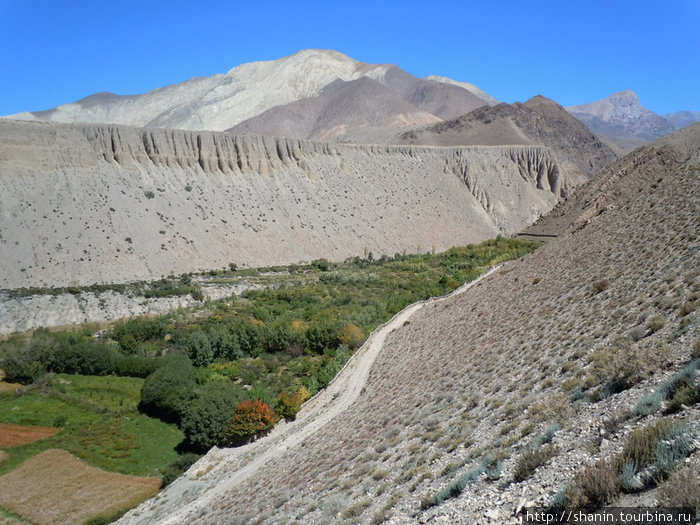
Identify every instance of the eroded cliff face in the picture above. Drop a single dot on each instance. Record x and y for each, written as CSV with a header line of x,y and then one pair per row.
x,y
85,204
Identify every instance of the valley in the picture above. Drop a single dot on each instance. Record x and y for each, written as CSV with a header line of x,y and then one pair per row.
x,y
318,290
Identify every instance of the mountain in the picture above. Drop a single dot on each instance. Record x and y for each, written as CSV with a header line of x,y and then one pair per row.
x,y
538,121
222,101
341,106
622,118
466,85
361,110
85,204
527,388
681,119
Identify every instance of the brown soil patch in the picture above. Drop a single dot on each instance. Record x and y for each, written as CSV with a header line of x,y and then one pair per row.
x,y
55,487
12,435
8,387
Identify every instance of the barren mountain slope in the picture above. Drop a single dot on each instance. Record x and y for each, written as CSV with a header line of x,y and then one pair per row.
x,y
466,85
442,99
623,119
538,121
221,101
469,383
340,107
92,204
378,104
625,176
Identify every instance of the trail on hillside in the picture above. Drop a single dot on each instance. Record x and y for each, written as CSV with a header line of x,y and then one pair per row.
x,y
221,470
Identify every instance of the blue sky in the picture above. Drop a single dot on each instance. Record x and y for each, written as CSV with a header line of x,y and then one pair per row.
x,y
55,52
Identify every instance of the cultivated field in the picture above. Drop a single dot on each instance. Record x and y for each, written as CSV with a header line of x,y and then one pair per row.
x,y
55,487
12,435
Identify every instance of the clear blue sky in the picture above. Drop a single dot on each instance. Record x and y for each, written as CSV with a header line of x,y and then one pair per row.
x,y
55,52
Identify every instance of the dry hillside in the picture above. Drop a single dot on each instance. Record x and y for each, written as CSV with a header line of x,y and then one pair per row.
x,y
537,121
88,204
567,344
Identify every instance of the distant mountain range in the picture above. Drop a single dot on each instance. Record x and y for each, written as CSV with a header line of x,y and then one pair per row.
x,y
333,85
324,95
624,121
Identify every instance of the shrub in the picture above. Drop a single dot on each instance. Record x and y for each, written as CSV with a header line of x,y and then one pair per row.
x,y
205,420
529,460
250,420
351,336
199,349
167,391
619,366
594,486
649,404
137,330
171,472
84,357
600,285
656,323
640,446
288,404
682,489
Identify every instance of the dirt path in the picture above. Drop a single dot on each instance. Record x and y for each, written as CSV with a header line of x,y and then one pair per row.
x,y
221,470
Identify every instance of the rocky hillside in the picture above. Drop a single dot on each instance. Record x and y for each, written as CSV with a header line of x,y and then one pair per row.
x,y
222,101
98,204
622,118
537,121
509,393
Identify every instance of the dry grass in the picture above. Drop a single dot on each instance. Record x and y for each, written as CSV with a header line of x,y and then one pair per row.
x,y
12,435
3,456
54,487
5,386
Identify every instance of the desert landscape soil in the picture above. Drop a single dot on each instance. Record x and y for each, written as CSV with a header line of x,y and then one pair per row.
x,y
221,470
12,435
55,487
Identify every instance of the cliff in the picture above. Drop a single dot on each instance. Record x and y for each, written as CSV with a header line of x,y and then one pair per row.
x,y
85,204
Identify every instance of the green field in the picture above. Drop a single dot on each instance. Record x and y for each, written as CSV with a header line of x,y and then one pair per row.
x,y
99,423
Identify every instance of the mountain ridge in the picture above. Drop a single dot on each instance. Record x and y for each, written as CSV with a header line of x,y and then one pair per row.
x,y
220,101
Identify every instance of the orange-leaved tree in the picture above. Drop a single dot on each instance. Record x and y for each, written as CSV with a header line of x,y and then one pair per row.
x,y
251,419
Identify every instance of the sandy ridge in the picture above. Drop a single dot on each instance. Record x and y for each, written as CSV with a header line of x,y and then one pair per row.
x,y
190,496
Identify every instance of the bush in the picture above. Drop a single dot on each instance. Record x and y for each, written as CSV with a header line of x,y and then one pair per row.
x,y
681,490
86,358
640,446
594,486
619,366
199,349
250,420
167,391
600,285
137,330
205,420
171,472
288,404
528,462
351,336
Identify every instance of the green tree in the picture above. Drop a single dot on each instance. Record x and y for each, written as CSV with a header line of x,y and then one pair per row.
x,y
167,391
206,419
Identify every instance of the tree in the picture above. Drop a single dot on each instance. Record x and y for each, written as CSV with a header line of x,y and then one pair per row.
x,y
351,335
251,419
199,349
289,404
205,420
167,391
